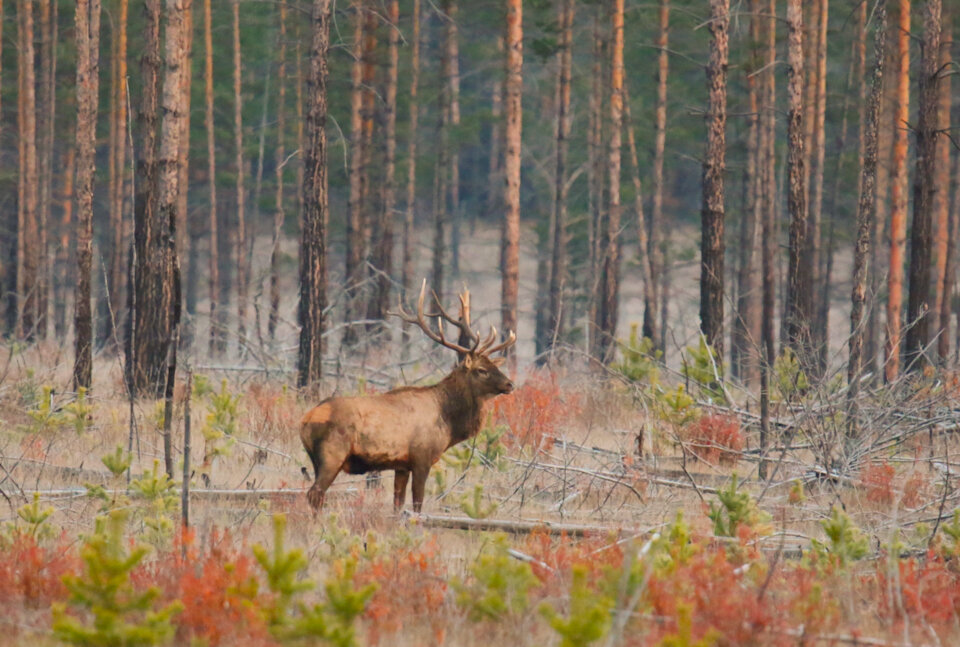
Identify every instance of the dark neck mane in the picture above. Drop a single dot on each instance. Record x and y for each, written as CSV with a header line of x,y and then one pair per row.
x,y
462,409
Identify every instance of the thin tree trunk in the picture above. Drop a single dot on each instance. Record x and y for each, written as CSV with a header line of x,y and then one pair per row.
x,y
406,281
170,162
714,166
558,261
28,274
148,338
278,213
118,185
800,273
383,254
898,212
241,247
442,169
88,53
924,189
815,188
769,233
658,236
511,165
453,54
595,181
185,227
865,213
355,225
943,281
746,324
46,113
313,266
217,343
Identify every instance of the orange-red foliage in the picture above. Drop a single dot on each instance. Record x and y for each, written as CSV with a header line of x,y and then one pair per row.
x,y
929,591
877,481
411,584
556,556
534,411
715,437
31,573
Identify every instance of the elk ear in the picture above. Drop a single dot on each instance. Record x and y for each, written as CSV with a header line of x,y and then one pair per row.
x,y
498,362
467,362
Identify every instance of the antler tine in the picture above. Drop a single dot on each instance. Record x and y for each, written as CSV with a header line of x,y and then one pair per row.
x,y
492,337
507,343
421,321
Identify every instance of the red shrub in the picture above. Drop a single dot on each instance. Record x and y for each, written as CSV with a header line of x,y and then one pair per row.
x,y
32,573
929,592
411,584
877,480
534,411
559,555
714,437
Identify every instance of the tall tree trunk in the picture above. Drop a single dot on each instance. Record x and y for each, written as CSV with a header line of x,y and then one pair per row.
x,y
815,188
453,55
185,225
28,272
241,246
217,343
595,181
355,224
406,281
558,256
898,212
865,214
608,311
511,165
658,237
800,273
46,113
924,189
442,169
746,324
769,232
943,280
383,254
88,55
279,215
313,261
714,166
169,163
148,337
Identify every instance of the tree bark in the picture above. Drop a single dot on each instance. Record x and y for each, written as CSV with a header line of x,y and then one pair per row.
x,y
148,336
88,52
898,212
29,253
865,214
241,246
658,237
62,263
799,309
406,281
355,251
313,266
714,166
595,181
46,115
511,166
943,281
453,55
815,188
558,256
185,226
279,214
383,253
217,342
924,189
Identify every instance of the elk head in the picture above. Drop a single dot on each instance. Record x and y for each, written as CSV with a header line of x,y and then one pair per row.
x,y
476,367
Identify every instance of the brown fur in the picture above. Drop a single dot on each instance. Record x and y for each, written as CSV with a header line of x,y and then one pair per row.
x,y
406,430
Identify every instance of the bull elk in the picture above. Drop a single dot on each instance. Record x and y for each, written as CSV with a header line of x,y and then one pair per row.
x,y
408,429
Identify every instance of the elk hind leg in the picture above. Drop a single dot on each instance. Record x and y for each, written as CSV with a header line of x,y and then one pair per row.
x,y
400,478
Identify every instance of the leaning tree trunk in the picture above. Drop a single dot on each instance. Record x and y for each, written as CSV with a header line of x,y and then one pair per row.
x,y
865,214
558,257
898,212
924,188
800,273
313,261
511,166
943,281
148,337
658,238
714,166
28,234
383,253
88,61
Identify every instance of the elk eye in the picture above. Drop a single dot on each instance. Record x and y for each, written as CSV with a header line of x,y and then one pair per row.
x,y
482,372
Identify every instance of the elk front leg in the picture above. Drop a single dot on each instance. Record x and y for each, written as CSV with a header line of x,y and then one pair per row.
x,y
420,474
326,467
400,478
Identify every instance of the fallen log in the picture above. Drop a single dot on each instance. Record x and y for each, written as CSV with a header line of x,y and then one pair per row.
x,y
519,526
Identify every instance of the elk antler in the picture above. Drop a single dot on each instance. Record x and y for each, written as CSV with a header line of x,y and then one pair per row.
x,y
487,349
421,321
